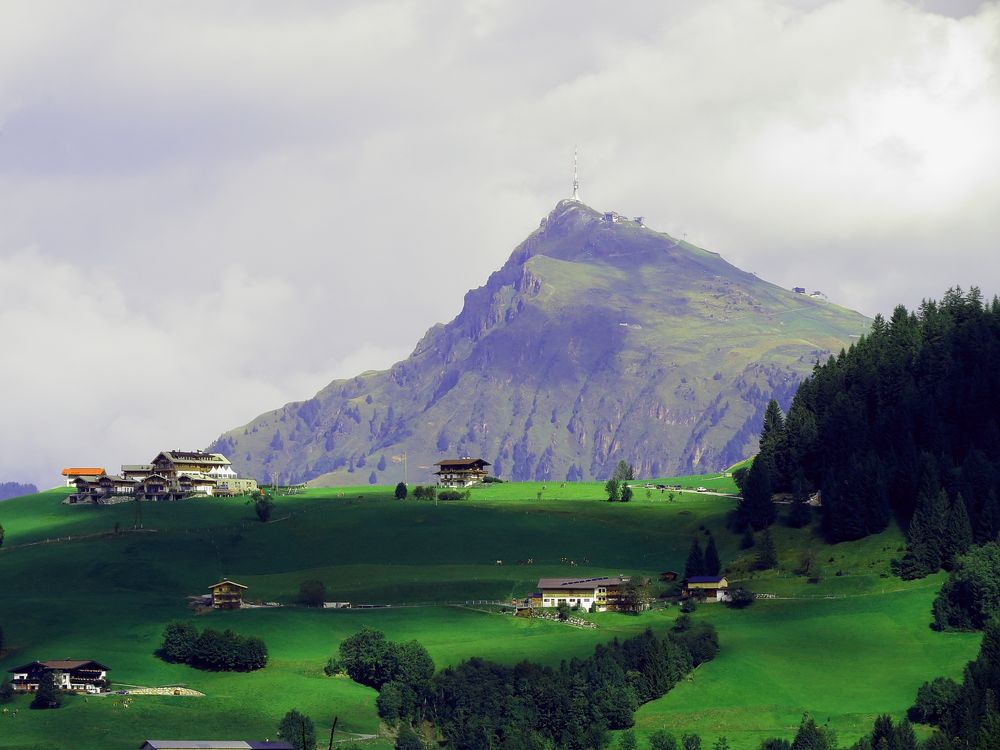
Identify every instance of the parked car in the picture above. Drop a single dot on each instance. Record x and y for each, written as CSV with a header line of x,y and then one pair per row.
x,y
702,489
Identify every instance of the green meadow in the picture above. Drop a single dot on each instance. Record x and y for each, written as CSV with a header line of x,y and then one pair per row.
x,y
850,644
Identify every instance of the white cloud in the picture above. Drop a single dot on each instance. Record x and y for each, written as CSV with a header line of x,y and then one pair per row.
x,y
240,201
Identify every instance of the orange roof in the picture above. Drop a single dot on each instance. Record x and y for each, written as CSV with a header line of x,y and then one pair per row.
x,y
86,471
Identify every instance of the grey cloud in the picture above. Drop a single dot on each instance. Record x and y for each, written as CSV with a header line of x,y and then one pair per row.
x,y
294,177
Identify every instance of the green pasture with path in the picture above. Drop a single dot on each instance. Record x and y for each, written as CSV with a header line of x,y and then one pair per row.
x,y
70,587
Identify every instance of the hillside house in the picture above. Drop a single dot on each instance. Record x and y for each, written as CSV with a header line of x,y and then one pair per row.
x,y
100,489
77,675
600,594
174,464
461,472
75,472
227,594
713,588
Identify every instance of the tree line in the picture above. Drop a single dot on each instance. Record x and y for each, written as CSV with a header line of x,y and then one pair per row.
x,y
210,649
903,422
480,704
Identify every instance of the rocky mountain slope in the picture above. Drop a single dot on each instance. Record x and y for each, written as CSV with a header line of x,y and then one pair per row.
x,y
597,340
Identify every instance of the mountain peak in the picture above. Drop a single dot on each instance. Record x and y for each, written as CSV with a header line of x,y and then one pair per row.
x,y
599,339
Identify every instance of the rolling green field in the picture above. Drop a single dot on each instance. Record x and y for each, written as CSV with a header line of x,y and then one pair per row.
x,y
853,644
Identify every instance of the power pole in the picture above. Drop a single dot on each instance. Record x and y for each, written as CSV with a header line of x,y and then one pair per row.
x,y
332,730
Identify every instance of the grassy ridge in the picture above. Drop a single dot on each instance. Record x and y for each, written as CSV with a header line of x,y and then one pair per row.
x,y
107,596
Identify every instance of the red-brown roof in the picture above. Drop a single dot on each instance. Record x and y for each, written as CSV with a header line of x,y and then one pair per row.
x,y
86,471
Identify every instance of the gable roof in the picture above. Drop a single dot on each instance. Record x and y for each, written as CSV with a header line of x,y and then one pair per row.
x,y
578,583
456,462
84,471
61,664
706,579
226,580
189,457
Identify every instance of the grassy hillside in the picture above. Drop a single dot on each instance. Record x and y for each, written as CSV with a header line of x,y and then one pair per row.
x,y
847,647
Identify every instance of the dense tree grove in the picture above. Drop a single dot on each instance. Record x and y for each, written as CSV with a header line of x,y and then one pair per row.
x,y
700,563
970,597
479,705
908,413
226,651
372,659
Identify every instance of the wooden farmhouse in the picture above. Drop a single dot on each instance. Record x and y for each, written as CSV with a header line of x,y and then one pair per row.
x,y
713,588
77,675
600,594
172,475
227,594
74,472
461,472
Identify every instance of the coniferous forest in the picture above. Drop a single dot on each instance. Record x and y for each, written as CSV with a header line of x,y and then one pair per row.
x,y
905,422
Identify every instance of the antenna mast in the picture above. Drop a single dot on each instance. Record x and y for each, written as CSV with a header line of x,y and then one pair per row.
x,y
576,176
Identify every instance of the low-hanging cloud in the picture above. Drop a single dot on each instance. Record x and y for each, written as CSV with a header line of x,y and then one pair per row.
x,y
211,209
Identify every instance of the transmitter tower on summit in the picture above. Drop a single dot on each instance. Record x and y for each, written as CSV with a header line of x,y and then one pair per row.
x,y
576,176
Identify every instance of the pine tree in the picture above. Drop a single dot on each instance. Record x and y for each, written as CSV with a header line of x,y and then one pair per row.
x,y
774,444
809,736
712,563
957,536
695,565
988,519
613,490
906,738
47,695
756,507
801,513
767,555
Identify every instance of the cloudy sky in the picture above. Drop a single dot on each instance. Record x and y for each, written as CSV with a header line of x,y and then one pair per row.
x,y
212,208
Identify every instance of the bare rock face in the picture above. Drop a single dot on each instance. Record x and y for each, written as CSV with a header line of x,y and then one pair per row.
x,y
596,341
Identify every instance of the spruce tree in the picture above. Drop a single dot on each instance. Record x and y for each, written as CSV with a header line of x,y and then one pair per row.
x,y
767,555
756,507
800,514
695,564
47,695
613,490
712,563
957,536
774,444
809,736
988,519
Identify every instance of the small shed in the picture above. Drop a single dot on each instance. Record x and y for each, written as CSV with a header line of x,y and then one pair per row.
x,y
227,594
